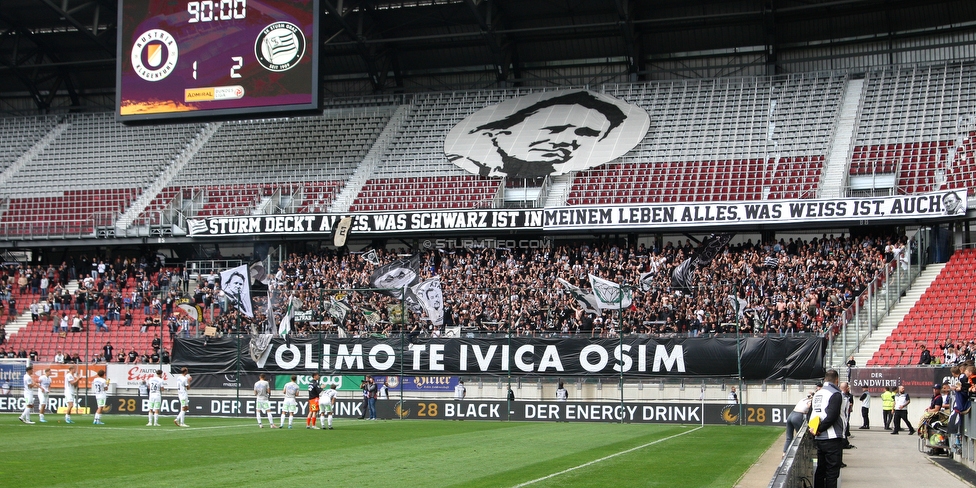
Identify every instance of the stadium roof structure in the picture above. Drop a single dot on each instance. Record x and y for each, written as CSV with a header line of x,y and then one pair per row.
x,y
59,55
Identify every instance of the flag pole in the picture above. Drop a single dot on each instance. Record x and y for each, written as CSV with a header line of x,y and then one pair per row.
x,y
620,335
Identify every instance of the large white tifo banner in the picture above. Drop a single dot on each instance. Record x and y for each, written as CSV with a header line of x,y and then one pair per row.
x,y
130,375
915,208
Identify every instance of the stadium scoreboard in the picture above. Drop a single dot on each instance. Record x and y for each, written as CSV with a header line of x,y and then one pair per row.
x,y
216,58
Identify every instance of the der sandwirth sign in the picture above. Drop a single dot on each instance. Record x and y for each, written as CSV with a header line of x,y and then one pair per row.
x,y
905,208
770,358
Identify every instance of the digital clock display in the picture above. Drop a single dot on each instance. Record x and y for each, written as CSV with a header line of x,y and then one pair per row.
x,y
216,58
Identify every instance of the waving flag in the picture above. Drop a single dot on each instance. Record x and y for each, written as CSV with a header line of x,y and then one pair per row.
x,y
237,287
585,300
610,295
431,298
285,327
371,316
393,277
371,257
681,278
342,231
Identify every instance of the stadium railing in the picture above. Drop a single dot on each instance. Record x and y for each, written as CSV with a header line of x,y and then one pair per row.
x,y
884,292
796,468
966,449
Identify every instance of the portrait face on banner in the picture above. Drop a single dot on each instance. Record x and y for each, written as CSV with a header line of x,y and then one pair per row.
x,y
549,133
953,204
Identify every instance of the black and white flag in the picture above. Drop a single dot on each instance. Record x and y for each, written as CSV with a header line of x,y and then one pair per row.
x,y
610,295
236,285
371,257
342,231
431,298
647,281
737,305
585,300
683,276
338,310
392,278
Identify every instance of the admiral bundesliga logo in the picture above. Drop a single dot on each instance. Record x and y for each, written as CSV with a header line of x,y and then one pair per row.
x,y
154,55
280,46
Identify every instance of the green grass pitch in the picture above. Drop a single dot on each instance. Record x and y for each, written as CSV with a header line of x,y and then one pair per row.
x,y
234,452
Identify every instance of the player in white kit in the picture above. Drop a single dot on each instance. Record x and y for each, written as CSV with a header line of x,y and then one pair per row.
x,y
182,385
100,387
28,395
262,390
327,404
70,387
291,403
155,397
43,392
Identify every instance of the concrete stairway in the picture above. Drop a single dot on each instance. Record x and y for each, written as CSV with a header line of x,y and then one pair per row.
x,y
873,343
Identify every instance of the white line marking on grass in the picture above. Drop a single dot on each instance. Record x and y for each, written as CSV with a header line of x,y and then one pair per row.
x,y
146,428
605,458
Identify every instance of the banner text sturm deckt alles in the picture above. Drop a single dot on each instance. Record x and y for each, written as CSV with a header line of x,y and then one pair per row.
x,y
762,357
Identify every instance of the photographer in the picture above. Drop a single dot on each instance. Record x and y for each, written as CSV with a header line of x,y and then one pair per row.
x,y
364,386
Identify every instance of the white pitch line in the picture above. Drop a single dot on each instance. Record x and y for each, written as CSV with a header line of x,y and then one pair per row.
x,y
147,428
605,458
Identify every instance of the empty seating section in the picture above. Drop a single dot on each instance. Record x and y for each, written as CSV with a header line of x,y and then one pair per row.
x,y
75,212
726,139
709,140
316,196
426,193
88,175
19,134
917,123
163,200
95,152
229,199
38,336
722,180
947,310
276,154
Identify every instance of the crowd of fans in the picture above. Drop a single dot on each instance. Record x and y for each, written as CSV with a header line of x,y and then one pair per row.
x,y
107,293
957,352
788,287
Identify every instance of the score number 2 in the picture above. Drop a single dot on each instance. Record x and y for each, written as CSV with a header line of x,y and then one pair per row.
x,y
210,10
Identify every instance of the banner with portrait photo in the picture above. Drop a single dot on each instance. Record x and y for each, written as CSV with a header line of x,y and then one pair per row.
x,y
236,285
431,298
546,133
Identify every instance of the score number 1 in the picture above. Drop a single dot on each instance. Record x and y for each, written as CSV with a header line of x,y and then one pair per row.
x,y
210,10
238,64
